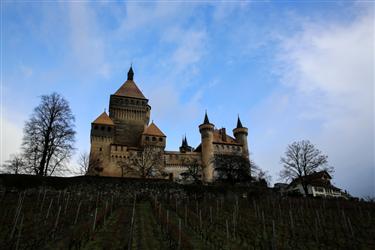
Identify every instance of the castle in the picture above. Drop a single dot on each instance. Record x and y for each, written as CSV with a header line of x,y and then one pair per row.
x,y
126,132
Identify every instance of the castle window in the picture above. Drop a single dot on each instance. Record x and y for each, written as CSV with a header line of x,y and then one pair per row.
x,y
153,138
109,129
96,127
102,127
147,138
160,139
100,149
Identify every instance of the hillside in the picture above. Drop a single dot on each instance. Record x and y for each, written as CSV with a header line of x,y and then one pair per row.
x,y
115,213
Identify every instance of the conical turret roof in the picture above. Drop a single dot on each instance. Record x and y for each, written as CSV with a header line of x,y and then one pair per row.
x,y
239,123
103,119
206,121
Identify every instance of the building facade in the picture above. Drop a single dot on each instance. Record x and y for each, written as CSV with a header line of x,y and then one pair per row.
x,y
126,132
318,185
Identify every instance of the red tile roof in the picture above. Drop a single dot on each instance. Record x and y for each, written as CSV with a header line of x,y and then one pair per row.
x,y
152,129
130,89
103,119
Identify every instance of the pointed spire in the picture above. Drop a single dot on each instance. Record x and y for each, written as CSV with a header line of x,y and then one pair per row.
x,y
239,124
206,121
130,73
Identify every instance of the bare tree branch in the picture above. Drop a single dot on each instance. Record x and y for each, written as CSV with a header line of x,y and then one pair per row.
x,y
302,159
146,163
49,136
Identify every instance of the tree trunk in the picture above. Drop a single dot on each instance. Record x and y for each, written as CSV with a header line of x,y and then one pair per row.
x,y
45,152
305,189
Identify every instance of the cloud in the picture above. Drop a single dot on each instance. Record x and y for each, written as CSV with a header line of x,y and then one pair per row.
x,y
327,73
225,9
191,45
154,14
11,138
87,44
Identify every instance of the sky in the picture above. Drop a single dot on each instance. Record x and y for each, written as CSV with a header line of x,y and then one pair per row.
x,y
292,70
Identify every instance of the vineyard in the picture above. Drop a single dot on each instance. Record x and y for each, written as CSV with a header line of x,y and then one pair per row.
x,y
134,214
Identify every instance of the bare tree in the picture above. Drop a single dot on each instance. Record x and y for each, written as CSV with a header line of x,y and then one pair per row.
x,y
302,159
259,174
83,163
95,164
49,136
232,168
15,165
146,163
194,170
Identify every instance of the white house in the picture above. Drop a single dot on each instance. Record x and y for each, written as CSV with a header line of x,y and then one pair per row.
x,y
318,185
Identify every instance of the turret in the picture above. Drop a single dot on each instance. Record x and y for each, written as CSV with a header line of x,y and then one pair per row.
x,y
102,131
153,136
240,133
185,146
206,129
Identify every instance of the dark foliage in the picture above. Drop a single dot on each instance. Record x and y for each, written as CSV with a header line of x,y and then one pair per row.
x,y
232,169
193,172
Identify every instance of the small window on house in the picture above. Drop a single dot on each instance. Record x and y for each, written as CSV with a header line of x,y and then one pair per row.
x,y
96,127
160,139
109,129
102,127
153,138
100,149
147,138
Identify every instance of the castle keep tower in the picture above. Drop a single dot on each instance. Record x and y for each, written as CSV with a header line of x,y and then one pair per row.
x,y
206,129
240,133
130,112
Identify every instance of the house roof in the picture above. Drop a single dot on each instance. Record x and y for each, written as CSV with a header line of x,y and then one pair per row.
x,y
219,138
152,129
103,119
316,179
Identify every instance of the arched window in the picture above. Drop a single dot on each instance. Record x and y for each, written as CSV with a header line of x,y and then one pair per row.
x,y
147,138
153,138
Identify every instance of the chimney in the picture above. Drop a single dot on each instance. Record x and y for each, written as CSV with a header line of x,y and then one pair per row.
x,y
223,134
